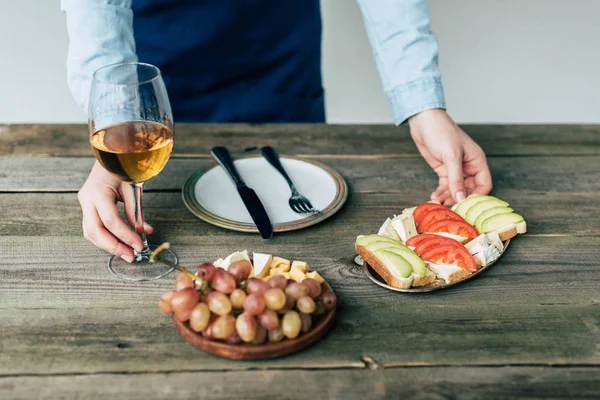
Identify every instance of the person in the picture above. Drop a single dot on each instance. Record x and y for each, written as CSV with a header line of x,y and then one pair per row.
x,y
259,61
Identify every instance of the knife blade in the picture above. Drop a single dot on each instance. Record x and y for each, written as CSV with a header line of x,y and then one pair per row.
x,y
251,201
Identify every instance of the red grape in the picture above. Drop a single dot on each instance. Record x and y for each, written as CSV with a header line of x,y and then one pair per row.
x,y
245,325
207,333
296,290
182,282
306,320
306,305
223,327
257,286
314,289
185,299
254,304
277,281
219,303
261,335
207,271
329,299
240,270
223,281
205,293
183,315
164,303
269,320
274,299
234,339
291,324
237,298
200,317
276,335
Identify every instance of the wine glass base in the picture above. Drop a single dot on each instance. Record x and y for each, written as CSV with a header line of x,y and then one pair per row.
x,y
142,270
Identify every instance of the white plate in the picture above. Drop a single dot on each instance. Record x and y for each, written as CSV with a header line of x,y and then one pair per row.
x,y
212,196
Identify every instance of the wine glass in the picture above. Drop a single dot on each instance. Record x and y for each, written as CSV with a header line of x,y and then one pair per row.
x,y
131,128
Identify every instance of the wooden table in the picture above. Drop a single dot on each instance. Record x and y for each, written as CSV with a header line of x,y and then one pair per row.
x,y
529,327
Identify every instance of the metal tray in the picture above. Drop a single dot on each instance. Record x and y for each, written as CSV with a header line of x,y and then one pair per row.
x,y
435,285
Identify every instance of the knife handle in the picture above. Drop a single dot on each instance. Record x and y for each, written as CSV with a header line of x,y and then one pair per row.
x,y
221,154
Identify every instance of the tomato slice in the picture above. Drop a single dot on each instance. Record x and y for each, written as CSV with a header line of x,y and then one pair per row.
x,y
451,254
454,227
440,241
423,209
437,215
415,240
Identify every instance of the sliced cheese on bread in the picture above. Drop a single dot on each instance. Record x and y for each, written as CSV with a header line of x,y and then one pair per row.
x,y
387,230
459,238
448,272
405,227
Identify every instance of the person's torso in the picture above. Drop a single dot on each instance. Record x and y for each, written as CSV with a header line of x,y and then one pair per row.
x,y
235,60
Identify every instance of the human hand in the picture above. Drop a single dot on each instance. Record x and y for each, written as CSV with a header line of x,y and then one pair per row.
x,y
102,224
458,161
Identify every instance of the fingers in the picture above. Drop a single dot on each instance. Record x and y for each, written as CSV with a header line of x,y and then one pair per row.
x,y
94,231
456,181
482,178
130,212
110,218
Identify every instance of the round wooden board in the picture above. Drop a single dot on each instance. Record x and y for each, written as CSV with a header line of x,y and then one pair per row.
x,y
256,351
435,285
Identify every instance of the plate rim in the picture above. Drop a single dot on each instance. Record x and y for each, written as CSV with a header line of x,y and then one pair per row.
x,y
202,213
424,289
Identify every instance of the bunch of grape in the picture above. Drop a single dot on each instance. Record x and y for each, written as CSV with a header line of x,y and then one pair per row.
x,y
229,306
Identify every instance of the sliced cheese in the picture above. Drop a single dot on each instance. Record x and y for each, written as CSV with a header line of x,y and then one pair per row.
x,y
230,259
459,238
404,225
388,231
478,244
300,265
446,271
409,211
220,263
297,274
262,264
496,242
487,256
316,276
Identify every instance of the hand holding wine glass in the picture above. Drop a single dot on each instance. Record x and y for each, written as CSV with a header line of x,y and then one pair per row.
x,y
131,129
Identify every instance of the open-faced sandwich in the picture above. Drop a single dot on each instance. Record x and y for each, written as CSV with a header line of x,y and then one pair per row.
x,y
432,242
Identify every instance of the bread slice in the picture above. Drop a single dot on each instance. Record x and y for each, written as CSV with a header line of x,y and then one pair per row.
x,y
380,268
448,272
426,280
510,231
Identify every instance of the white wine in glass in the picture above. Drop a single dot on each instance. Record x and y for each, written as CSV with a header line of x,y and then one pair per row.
x,y
131,127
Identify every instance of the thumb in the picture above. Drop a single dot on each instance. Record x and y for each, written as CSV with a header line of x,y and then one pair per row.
x,y
456,181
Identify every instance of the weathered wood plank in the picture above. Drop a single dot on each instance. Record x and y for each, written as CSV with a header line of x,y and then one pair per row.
x,y
41,214
559,174
346,140
413,383
63,313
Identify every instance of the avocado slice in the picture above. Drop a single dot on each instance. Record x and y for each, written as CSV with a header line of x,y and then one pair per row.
x,y
374,246
395,263
489,213
474,211
462,207
365,240
418,265
500,221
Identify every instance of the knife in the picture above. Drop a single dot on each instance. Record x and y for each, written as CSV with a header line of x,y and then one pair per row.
x,y
249,197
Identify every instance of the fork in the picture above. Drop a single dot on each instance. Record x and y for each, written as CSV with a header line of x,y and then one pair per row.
x,y
298,203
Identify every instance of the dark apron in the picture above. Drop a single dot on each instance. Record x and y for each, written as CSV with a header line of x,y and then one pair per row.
x,y
235,60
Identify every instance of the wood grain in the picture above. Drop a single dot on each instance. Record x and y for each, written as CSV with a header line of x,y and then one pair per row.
x,y
42,214
65,314
413,383
342,140
540,174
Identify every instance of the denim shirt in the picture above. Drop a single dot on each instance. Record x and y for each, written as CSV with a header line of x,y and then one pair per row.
x,y
406,54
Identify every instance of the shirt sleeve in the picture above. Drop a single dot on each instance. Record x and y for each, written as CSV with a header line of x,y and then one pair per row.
x,y
406,54
100,33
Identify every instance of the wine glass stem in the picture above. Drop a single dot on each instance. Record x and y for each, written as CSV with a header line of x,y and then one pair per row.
x,y
138,190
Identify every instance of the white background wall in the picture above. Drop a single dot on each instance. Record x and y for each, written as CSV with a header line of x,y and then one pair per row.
x,y
521,61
